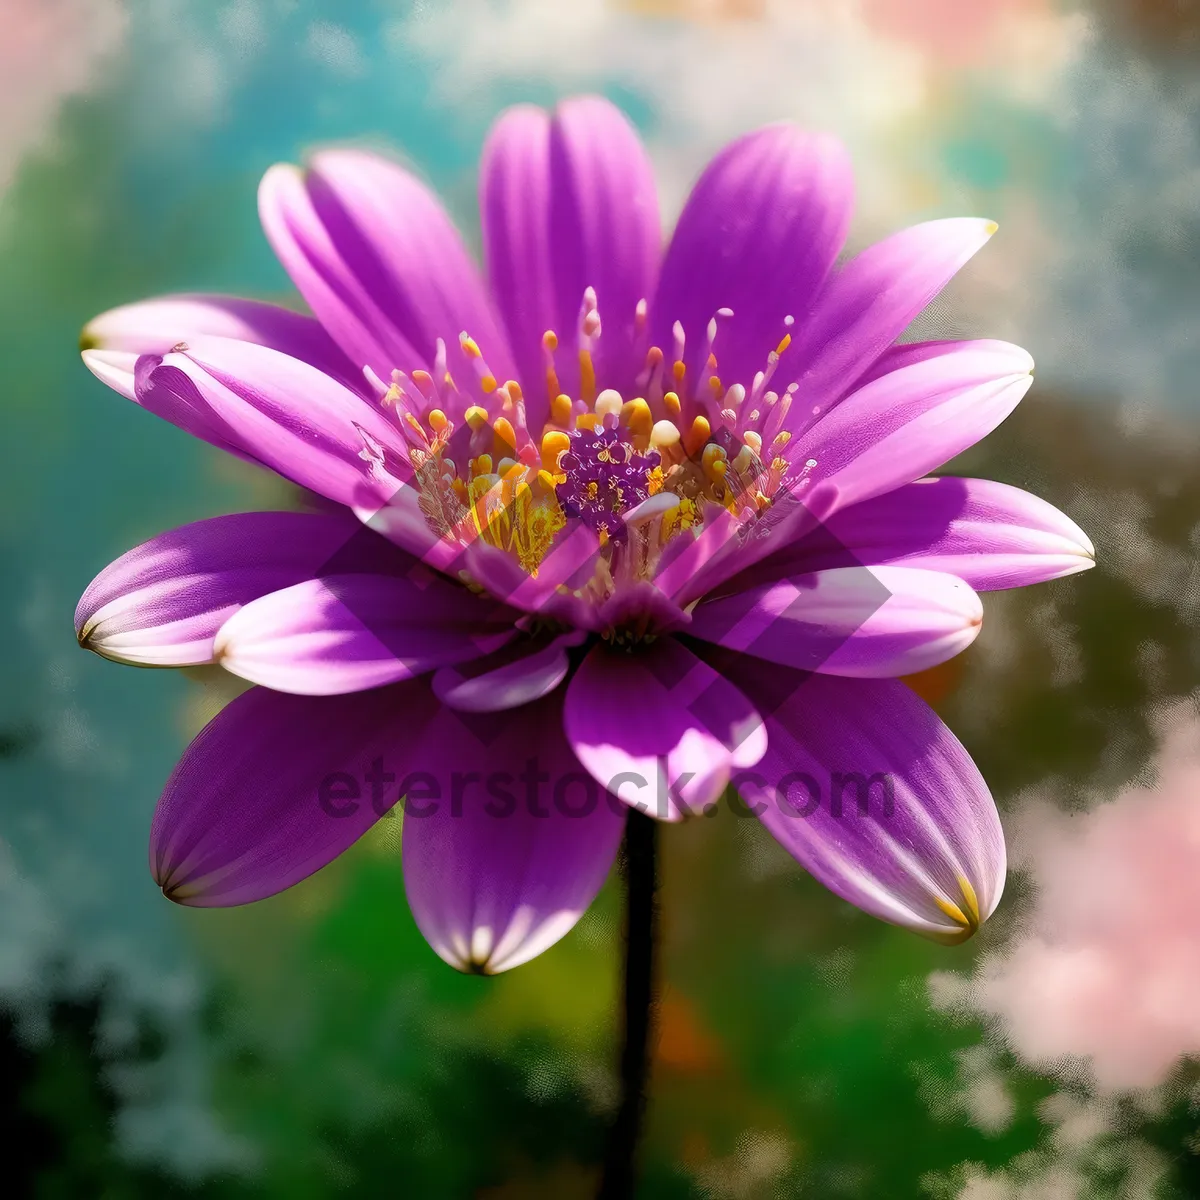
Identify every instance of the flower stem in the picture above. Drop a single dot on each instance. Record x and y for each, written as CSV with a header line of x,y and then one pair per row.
x,y
641,926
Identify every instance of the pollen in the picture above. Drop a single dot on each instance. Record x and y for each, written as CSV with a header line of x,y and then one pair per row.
x,y
492,466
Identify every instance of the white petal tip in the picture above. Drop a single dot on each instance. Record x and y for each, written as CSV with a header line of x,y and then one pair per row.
x,y
112,367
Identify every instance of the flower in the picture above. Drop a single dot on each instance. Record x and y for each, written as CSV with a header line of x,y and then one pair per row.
x,y
616,529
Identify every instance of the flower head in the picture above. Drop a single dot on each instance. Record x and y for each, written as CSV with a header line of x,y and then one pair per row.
x,y
618,528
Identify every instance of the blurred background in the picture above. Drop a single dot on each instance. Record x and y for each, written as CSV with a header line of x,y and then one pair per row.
x,y
312,1045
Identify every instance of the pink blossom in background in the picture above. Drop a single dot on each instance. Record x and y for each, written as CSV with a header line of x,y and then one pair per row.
x,y
50,49
1105,970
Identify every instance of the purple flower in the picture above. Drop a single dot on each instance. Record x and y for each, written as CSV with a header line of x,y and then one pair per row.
x,y
618,528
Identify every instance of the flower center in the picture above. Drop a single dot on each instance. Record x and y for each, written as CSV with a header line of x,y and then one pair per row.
x,y
634,470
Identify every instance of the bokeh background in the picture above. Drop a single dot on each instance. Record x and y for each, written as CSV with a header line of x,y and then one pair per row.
x,y
312,1045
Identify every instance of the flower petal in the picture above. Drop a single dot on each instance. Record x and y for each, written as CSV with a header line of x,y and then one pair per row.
x,y
161,604
348,633
866,788
660,729
568,202
520,673
877,623
375,255
759,234
277,411
272,789
910,421
989,534
122,334
868,304
504,852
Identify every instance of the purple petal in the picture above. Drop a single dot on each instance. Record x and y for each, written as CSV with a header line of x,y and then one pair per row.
x,y
759,234
569,203
877,623
866,788
279,412
520,673
276,786
375,255
869,302
348,633
504,852
659,728
908,422
989,534
162,603
118,337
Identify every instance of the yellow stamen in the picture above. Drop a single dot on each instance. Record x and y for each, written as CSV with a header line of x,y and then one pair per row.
x,y
697,435
488,383
554,442
587,377
587,421
671,404
679,370
481,465
637,417
437,420
424,381
713,463
476,417
560,409
784,343
469,346
506,439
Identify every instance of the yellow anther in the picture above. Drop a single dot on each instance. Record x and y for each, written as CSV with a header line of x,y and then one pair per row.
x,y
714,382
416,425
637,417
679,370
476,417
743,460
717,470
784,343
560,409
546,480
587,376
481,465
712,461
506,439
697,435
671,403
781,439
424,381
513,388
469,346
488,383
437,420
550,340
609,401
587,421
972,901
505,466
554,442
990,228
753,440
664,433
